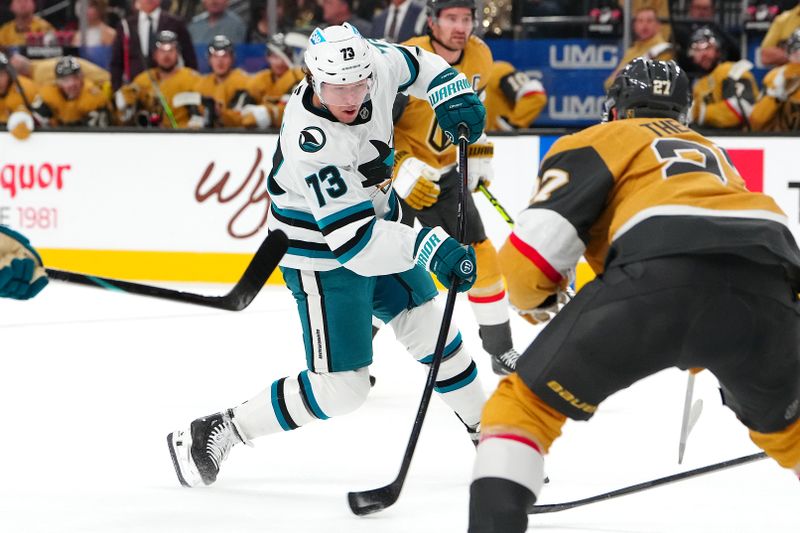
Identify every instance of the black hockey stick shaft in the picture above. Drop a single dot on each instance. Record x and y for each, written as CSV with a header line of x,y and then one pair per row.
x,y
262,264
496,203
555,507
371,501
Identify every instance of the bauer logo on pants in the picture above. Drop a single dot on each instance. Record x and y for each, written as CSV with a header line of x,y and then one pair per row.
x,y
312,139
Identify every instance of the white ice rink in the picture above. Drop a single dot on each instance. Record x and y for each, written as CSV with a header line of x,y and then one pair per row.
x,y
92,381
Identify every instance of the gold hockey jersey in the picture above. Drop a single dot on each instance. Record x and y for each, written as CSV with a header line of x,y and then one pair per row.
x,y
631,190
724,98
11,36
770,114
179,90
12,101
224,100
417,131
513,100
273,94
91,108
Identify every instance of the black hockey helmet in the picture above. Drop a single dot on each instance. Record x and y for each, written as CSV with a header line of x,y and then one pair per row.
x,y
649,88
67,66
703,37
219,45
434,6
166,38
793,42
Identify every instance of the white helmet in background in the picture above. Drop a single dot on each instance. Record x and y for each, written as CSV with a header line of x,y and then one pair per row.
x,y
338,55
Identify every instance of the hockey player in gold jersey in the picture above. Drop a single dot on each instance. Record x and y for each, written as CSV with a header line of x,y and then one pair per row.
x,y
425,173
224,89
724,97
693,270
165,95
15,105
270,88
72,100
779,106
513,100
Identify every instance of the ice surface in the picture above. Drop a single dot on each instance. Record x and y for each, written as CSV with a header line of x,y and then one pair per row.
x,y
92,381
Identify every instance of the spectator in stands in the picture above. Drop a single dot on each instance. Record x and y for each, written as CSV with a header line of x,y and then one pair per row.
x,y
649,43
98,33
724,97
164,96
72,100
400,21
778,109
217,20
773,51
661,9
341,11
134,45
513,100
15,104
701,10
15,32
224,90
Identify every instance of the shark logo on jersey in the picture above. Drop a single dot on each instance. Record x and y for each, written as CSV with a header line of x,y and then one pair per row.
x,y
312,139
379,169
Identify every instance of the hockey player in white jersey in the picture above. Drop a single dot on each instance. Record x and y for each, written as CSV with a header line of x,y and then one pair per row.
x,y
22,275
349,257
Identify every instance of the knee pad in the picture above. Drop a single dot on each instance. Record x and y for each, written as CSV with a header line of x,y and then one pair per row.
x,y
417,330
489,280
335,393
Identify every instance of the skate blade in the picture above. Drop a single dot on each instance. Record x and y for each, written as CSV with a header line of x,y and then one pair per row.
x,y
180,445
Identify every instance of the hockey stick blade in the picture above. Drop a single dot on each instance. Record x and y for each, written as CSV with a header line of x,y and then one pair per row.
x,y
555,507
261,266
372,501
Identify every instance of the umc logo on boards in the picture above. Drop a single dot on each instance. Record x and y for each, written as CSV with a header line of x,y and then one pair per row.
x,y
589,57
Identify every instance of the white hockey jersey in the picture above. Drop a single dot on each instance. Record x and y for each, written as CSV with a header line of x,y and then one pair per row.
x,y
330,182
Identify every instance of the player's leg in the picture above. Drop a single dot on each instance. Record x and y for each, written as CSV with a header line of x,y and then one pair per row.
x,y
335,310
405,301
604,340
487,296
759,363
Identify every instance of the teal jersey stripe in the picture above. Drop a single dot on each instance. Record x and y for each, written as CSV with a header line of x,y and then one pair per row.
x,y
449,349
331,219
413,69
316,254
277,408
463,383
345,257
312,401
292,213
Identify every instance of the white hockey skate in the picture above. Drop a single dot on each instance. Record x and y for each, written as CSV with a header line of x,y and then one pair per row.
x,y
198,452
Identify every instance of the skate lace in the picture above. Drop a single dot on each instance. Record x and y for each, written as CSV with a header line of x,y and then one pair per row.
x,y
509,358
220,441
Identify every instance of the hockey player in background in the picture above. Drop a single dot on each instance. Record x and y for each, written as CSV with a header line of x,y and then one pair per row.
x,y
724,96
513,100
72,100
14,112
426,177
779,106
349,256
224,89
22,275
165,95
693,271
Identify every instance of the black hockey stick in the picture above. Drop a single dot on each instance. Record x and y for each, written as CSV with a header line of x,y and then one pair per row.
x,y
496,203
255,276
555,507
371,501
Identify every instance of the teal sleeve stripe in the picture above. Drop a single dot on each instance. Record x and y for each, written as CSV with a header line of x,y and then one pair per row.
x,y
292,213
276,407
317,254
312,401
443,77
462,383
413,68
449,349
331,219
362,242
